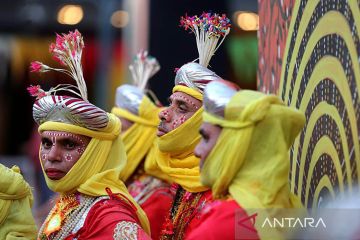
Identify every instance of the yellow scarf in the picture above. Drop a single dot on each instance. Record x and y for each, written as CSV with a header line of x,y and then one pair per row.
x,y
250,159
16,220
174,154
99,167
139,138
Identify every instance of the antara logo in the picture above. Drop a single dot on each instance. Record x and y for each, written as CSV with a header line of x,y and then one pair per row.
x,y
248,222
294,222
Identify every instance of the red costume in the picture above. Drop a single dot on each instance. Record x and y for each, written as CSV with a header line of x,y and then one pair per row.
x,y
155,198
106,218
82,158
223,219
110,216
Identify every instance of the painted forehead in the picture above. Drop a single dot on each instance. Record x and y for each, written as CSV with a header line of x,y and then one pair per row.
x,y
68,157
187,99
59,134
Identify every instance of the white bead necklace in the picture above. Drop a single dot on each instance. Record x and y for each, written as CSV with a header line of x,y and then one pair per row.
x,y
86,202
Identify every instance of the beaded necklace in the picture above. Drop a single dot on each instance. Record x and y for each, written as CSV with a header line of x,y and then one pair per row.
x,y
183,210
65,215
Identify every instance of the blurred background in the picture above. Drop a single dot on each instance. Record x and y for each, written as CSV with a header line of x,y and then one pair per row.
x,y
114,31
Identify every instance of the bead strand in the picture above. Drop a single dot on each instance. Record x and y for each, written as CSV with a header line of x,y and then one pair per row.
x,y
71,221
74,218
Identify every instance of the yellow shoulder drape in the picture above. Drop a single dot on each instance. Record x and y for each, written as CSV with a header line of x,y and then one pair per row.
x,y
16,220
139,138
250,159
99,167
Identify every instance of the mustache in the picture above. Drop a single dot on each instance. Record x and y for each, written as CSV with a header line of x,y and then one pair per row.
x,y
163,127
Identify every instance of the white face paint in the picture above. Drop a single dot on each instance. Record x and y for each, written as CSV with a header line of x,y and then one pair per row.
x,y
60,151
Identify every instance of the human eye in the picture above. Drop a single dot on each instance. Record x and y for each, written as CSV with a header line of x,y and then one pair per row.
x,y
46,143
69,144
204,135
183,107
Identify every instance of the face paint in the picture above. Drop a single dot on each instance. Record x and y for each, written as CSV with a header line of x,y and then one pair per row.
x,y
182,107
166,113
179,121
81,150
187,100
68,157
182,119
60,151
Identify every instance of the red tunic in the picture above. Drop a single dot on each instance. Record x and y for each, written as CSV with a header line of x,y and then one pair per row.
x,y
155,198
109,218
223,219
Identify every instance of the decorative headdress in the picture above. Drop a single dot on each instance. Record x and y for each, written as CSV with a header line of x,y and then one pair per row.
x,y
190,79
245,158
100,165
132,104
208,29
142,69
67,50
217,95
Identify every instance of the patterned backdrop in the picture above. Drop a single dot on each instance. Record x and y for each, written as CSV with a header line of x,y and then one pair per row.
x,y
320,75
274,24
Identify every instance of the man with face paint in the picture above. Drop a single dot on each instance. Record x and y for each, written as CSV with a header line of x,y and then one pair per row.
x,y
246,137
178,129
82,156
139,115
16,199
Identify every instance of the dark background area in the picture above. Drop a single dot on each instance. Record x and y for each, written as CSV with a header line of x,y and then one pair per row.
x,y
174,46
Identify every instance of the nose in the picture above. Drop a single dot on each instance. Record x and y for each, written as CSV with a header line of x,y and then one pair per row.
x,y
164,115
197,151
54,154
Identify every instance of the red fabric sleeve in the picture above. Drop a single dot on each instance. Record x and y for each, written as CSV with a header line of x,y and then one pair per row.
x,y
102,219
223,220
157,207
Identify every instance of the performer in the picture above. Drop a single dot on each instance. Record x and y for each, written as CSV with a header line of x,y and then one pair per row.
x,y
140,116
82,157
178,129
16,199
246,137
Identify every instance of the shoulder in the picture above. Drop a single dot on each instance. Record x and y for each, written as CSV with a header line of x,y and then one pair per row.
x,y
159,190
224,210
110,217
219,220
221,207
113,210
150,189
